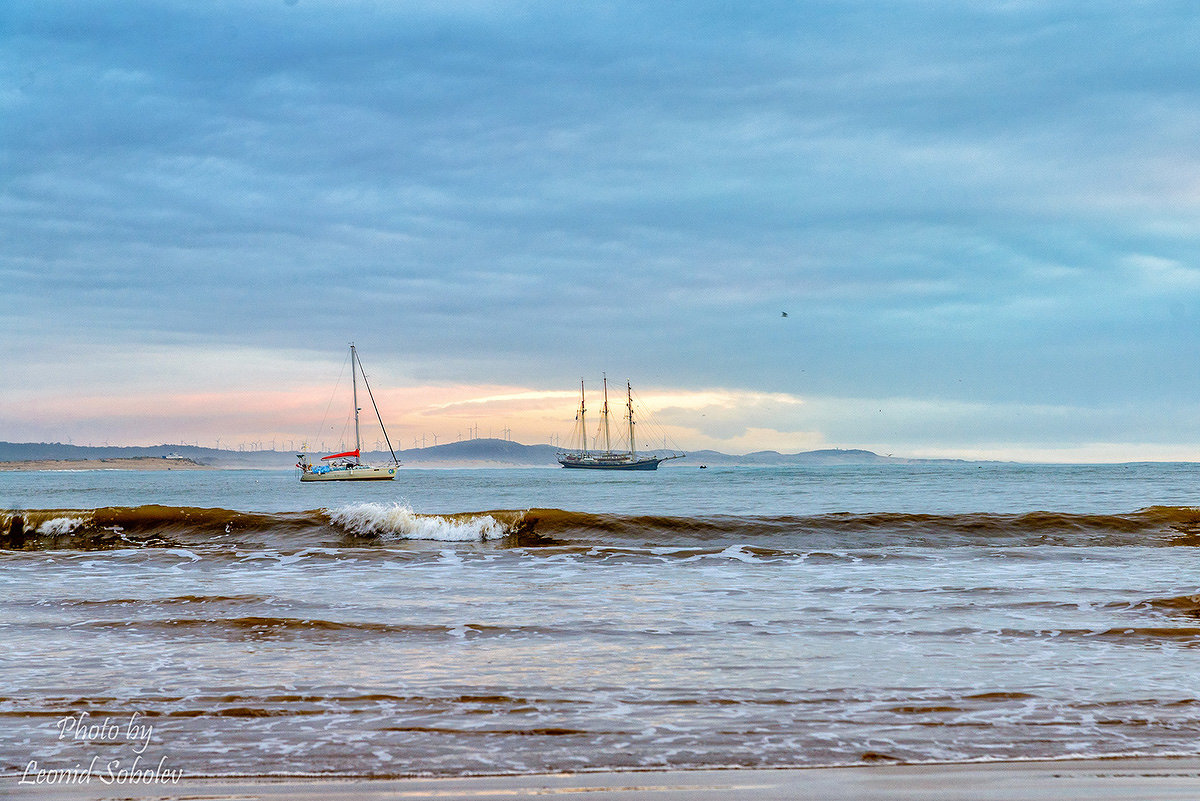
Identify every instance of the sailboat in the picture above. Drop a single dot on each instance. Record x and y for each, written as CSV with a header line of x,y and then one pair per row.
x,y
608,459
346,466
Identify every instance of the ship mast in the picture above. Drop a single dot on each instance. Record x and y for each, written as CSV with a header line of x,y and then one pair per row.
x,y
582,420
629,405
604,416
354,383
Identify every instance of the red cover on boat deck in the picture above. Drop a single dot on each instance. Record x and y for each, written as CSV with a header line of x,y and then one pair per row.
x,y
340,455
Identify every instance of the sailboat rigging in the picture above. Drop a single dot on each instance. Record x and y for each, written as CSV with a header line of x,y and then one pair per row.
x,y
608,459
348,466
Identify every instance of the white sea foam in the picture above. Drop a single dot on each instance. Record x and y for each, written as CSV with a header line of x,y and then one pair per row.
x,y
60,525
738,552
396,521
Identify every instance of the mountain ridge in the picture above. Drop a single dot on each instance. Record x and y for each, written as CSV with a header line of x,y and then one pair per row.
x,y
475,452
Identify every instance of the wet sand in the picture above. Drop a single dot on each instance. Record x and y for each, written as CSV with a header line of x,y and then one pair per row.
x,y
1114,779
124,463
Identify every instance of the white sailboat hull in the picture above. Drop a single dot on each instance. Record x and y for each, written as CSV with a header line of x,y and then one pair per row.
x,y
357,473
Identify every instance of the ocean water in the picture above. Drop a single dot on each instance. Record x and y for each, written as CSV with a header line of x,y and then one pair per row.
x,y
523,620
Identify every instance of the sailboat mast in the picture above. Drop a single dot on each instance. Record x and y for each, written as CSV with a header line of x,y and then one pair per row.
x,y
607,431
629,405
582,419
354,383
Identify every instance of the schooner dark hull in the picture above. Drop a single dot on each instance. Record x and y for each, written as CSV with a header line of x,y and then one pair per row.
x,y
590,464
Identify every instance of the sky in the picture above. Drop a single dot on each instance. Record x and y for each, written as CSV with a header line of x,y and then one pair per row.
x,y
981,219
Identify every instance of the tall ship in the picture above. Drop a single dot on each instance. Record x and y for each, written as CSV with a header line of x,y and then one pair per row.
x,y
607,458
347,466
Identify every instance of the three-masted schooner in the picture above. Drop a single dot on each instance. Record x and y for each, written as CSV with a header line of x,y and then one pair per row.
x,y
608,459
349,467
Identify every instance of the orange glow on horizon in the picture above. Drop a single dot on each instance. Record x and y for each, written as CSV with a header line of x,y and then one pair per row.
x,y
419,414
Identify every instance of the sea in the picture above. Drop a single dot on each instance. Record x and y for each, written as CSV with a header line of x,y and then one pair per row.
x,y
514,621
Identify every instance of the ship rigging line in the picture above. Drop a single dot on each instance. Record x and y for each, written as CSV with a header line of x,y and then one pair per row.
x,y
658,431
382,427
328,406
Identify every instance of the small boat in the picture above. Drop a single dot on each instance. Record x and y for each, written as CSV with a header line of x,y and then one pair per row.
x,y
608,459
347,466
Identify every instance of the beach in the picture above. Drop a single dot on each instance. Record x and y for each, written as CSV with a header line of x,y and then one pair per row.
x,y
1093,780
117,463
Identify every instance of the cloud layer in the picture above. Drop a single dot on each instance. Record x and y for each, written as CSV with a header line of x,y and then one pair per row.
x,y
987,210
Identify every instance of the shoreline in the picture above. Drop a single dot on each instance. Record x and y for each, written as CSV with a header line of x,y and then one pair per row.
x,y
1111,779
112,463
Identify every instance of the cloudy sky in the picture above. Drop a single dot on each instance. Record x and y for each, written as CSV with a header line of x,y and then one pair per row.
x,y
981,218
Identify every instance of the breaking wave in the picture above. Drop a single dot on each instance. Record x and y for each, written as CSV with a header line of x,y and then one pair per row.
x,y
375,524
396,521
168,526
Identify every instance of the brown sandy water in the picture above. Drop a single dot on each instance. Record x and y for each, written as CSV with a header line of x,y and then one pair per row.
x,y
366,638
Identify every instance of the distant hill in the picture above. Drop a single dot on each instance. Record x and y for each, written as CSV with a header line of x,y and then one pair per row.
x,y
467,453
19,451
775,458
493,452
480,452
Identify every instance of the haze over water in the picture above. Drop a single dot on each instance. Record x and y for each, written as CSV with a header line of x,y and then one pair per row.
x,y
465,621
